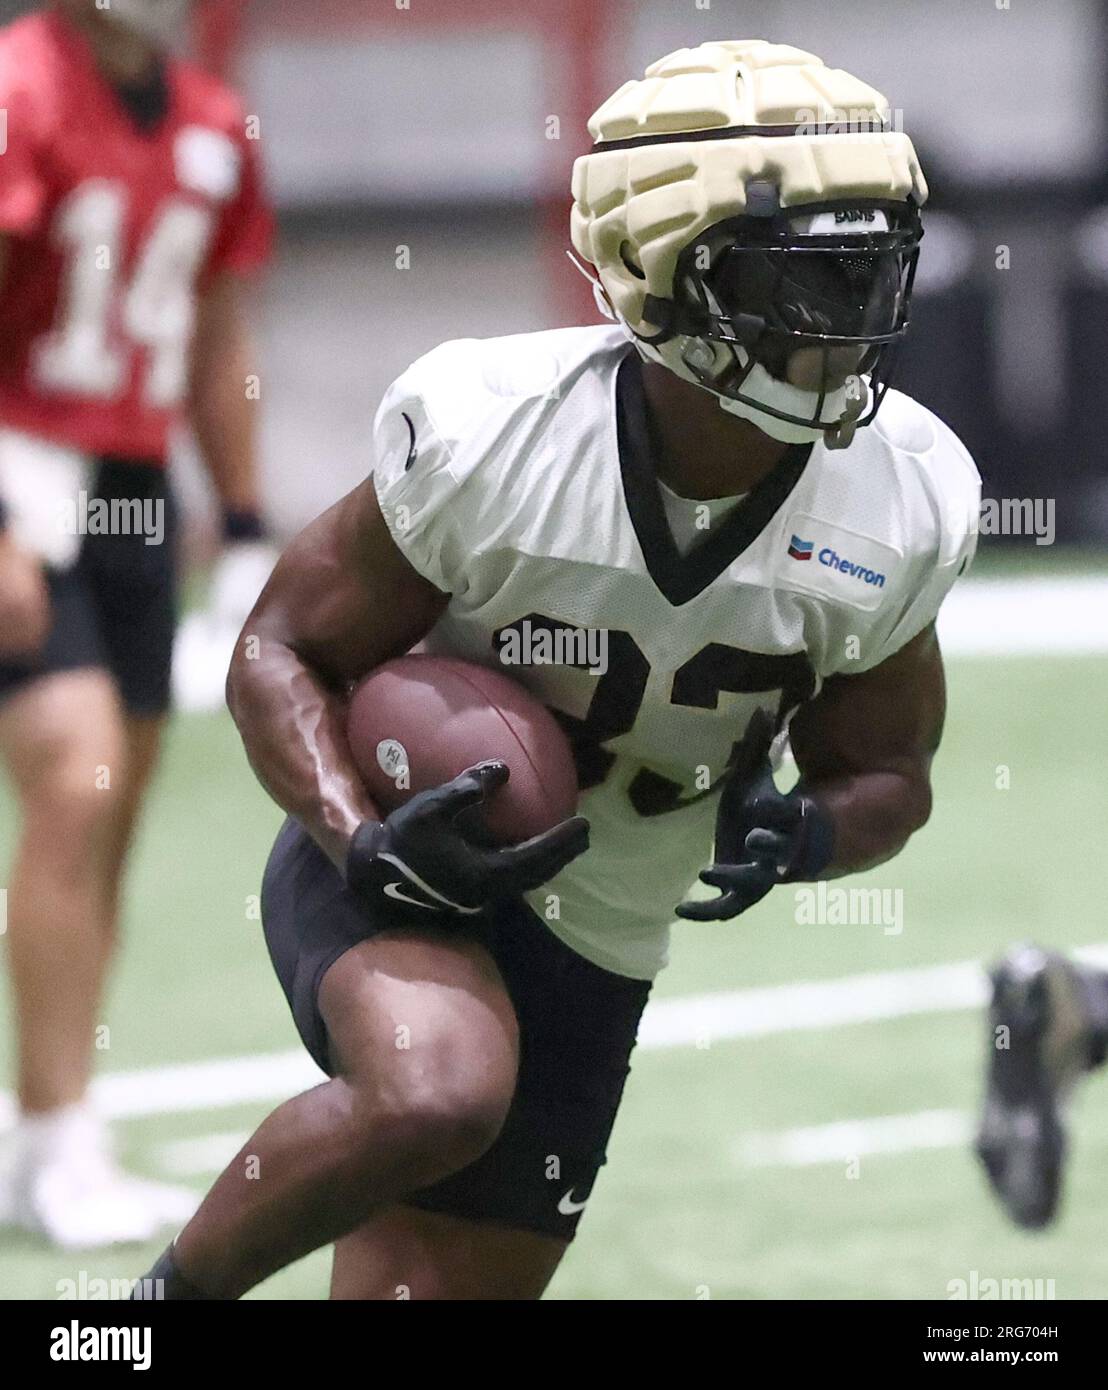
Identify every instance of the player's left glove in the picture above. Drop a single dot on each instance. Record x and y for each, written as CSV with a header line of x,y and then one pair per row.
x,y
206,640
763,837
239,576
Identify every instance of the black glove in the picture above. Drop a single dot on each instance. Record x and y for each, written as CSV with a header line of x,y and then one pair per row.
x,y
420,855
762,838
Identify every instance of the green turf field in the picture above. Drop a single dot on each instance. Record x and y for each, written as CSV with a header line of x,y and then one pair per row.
x,y
681,1211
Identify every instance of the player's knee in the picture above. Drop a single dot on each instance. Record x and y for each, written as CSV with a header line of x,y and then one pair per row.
x,y
453,1129
918,806
73,805
459,1095
70,783
430,1128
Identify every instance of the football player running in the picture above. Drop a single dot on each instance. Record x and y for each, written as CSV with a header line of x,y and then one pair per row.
x,y
722,481
129,208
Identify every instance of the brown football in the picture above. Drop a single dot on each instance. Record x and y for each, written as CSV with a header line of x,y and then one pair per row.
x,y
419,721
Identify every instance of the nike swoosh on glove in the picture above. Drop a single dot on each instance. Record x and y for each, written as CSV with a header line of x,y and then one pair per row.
x,y
763,838
420,862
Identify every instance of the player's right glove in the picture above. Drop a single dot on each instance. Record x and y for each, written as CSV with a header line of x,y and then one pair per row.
x,y
421,862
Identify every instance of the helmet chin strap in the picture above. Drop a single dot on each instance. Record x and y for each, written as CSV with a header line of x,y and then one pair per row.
x,y
840,436
852,399
783,430
848,404
763,394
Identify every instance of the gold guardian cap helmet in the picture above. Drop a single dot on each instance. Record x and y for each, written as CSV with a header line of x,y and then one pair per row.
x,y
754,223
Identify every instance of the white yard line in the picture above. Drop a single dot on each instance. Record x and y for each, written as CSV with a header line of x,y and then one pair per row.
x,y
867,998
813,1005
197,1086
1057,615
840,1142
206,1153
846,1140
687,1022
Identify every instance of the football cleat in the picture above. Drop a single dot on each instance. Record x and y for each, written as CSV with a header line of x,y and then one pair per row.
x,y
1040,1043
61,1181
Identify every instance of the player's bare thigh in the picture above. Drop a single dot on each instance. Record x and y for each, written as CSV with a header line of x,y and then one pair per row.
x,y
405,1253
420,1026
443,997
78,760
62,738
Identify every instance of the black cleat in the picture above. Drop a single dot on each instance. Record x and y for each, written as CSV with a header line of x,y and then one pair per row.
x,y
1040,1044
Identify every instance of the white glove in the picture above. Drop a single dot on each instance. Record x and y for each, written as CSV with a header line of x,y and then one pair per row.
x,y
206,641
237,580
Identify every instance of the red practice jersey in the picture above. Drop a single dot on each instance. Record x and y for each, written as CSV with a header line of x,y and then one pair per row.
x,y
114,230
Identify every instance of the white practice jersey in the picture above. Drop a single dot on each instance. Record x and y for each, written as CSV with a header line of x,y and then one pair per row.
x,y
515,476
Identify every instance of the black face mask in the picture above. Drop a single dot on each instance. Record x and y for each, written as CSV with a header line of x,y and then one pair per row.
x,y
811,296
758,284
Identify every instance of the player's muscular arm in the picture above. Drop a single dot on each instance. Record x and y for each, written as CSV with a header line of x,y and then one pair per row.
x,y
864,747
341,601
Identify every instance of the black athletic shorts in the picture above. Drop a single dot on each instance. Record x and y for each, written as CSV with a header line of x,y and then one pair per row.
x,y
577,1025
115,608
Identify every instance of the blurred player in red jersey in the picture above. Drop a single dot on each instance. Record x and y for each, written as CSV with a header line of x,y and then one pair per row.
x,y
130,208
